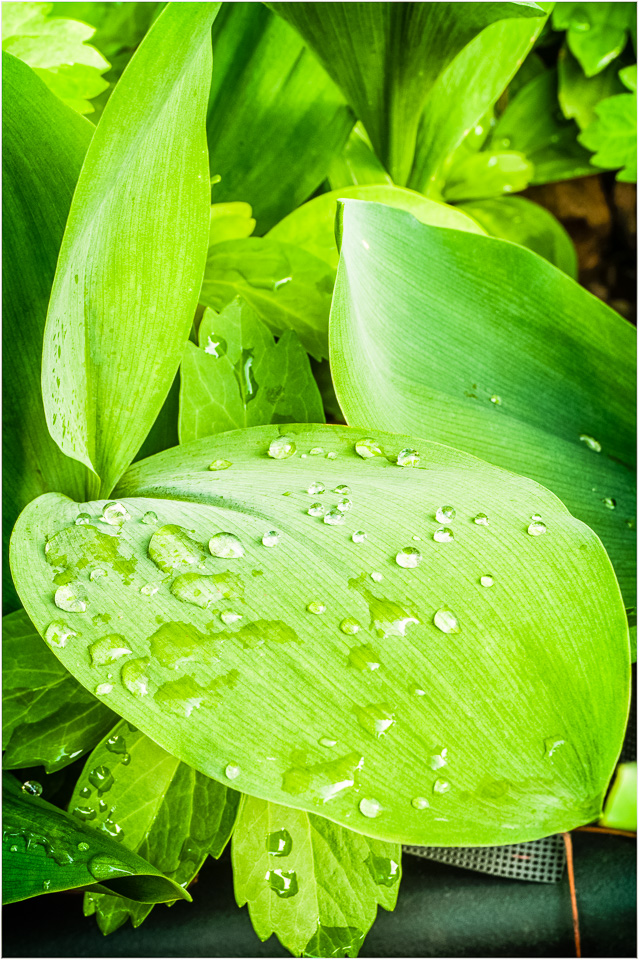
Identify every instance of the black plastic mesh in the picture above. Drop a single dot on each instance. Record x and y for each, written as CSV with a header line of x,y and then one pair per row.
x,y
540,860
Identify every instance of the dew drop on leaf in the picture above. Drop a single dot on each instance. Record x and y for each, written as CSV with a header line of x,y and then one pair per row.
x,y
420,803
226,545
331,455
115,514
228,617
85,792
134,678
84,813
232,771
315,488
327,742
407,458
481,519
108,649
83,846
315,606
279,843
350,625
271,538
536,528
443,535
343,505
220,465
283,883
383,870
96,573
495,398
170,547
103,689
441,786
590,442
57,634
150,517
486,580
445,514
409,557
316,452
149,589
32,788
83,518
334,517
363,657
610,503
70,598
552,744
377,577
446,621
342,490
282,448
376,718
102,779
116,744
438,760
370,807
358,537
316,510
368,448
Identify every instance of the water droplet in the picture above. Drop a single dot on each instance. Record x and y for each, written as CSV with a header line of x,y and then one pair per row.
x,y
220,465
316,452
417,691
57,634
409,557
327,742
103,689
376,718
407,458
350,625
536,528
113,829
342,489
334,517
363,657
283,883
590,442
438,760
170,547
202,590
377,577
358,537
486,580
108,649
150,517
149,589
281,283
496,399
370,807
14,848
609,502
282,448
420,803
552,744
343,505
103,806
83,846
271,538
279,843
102,779
316,607
134,678
115,514
331,455
83,518
46,884
232,771
443,535
226,545
315,488
383,870
446,621
97,573
84,813
85,792
228,617
32,788
116,744
70,598
105,867
445,514
368,448
315,510
441,786
481,520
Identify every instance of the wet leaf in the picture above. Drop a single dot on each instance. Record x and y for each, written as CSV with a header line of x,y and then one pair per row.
x,y
314,884
230,649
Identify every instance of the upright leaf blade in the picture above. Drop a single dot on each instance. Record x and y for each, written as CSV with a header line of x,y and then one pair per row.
x,y
133,253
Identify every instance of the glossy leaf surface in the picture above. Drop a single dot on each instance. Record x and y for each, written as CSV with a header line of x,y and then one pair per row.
x,y
314,884
45,850
133,253
489,321
370,707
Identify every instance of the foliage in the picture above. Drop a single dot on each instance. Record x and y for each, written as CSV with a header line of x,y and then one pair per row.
x,y
280,207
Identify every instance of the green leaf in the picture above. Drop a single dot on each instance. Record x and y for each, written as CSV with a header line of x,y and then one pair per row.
x,y
314,884
386,58
524,222
57,50
597,32
45,850
533,124
254,702
620,811
126,286
239,377
357,163
154,806
465,92
579,94
312,226
47,717
230,221
287,287
489,320
613,135
486,174
270,100
44,146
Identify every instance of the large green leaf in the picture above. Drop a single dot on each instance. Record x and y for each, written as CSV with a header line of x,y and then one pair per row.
x,y
443,322
613,135
484,175
314,884
386,58
275,118
289,704
238,376
45,850
57,50
525,222
597,32
48,718
155,806
464,92
133,253
44,146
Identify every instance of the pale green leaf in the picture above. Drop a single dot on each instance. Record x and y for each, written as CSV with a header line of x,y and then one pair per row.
x,y
386,57
489,320
311,882
613,136
620,811
579,94
239,377
526,223
48,719
133,253
254,702
486,174
230,221
597,32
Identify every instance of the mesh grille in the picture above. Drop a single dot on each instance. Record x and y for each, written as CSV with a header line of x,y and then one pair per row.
x,y
540,860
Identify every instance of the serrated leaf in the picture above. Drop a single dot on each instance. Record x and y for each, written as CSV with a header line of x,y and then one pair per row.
x,y
524,222
44,146
613,136
270,99
239,377
579,94
597,32
314,884
489,320
547,644
156,807
126,286
48,718
45,850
